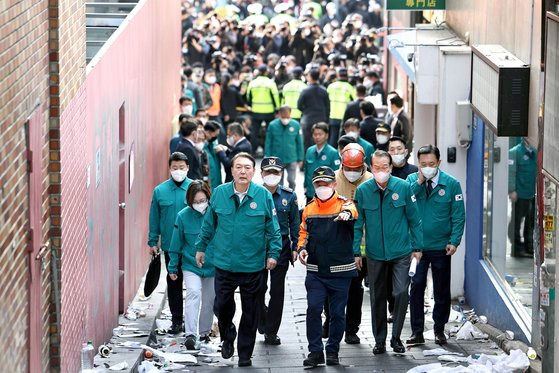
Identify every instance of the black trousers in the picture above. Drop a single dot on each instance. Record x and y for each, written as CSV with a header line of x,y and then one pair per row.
x,y
256,127
252,287
354,302
174,292
440,266
522,210
271,315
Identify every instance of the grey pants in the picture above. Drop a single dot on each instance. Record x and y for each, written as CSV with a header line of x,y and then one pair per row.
x,y
291,171
379,273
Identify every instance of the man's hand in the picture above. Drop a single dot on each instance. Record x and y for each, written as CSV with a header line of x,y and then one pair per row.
x,y
271,264
420,177
343,216
300,164
303,255
200,258
450,249
173,276
294,256
513,196
359,262
153,250
417,255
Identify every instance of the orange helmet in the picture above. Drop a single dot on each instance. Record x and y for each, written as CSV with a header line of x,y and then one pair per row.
x,y
353,155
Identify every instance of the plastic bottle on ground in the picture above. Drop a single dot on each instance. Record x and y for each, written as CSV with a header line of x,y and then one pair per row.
x,y
87,357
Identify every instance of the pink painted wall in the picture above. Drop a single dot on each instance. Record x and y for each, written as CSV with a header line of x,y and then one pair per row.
x,y
140,70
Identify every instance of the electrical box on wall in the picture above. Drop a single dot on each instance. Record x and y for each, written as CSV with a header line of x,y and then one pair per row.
x,y
500,89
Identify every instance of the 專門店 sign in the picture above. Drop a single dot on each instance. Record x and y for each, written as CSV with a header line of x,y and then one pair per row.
x,y
415,4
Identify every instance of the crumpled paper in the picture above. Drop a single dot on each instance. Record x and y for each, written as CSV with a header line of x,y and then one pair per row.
x,y
469,332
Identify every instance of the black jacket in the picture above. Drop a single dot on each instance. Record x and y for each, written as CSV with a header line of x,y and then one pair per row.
x,y
368,128
226,157
352,110
405,171
194,161
403,129
314,103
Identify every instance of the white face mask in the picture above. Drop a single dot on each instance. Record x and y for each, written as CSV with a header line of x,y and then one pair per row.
x,y
210,80
272,180
382,139
285,121
399,159
179,175
353,134
352,176
381,177
199,146
230,140
187,109
200,207
429,172
324,192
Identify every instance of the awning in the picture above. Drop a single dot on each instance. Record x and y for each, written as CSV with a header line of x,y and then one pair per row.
x,y
402,45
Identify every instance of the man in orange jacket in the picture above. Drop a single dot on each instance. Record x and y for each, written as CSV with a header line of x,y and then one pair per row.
x,y
325,247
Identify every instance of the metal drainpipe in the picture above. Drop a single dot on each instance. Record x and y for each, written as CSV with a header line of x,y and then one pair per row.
x,y
55,277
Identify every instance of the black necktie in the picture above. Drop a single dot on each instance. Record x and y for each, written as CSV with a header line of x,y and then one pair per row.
x,y
429,187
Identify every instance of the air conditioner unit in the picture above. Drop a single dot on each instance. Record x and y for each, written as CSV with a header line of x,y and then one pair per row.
x,y
500,89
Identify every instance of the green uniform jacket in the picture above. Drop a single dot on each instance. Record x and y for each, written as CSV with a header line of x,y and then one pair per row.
x,y
167,201
340,94
393,227
290,95
263,96
215,165
368,148
244,236
522,171
285,142
442,213
185,235
327,157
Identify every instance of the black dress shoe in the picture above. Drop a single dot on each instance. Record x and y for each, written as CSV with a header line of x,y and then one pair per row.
x,y
416,339
227,349
190,342
440,338
314,359
272,339
380,348
176,328
325,329
332,358
397,345
245,363
352,339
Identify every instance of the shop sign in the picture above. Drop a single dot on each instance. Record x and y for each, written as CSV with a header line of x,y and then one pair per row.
x,y
415,4
548,223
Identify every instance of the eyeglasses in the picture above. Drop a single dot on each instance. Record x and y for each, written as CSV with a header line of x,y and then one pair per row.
x,y
200,201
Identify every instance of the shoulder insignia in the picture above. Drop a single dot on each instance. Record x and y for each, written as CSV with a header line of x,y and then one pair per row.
x,y
413,199
287,189
337,162
458,197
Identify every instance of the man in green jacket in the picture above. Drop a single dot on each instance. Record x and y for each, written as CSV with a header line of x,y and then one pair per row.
x,y
441,206
387,209
320,154
285,141
241,220
168,199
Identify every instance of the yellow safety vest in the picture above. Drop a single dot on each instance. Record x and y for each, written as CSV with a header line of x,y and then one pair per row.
x,y
262,93
340,94
290,95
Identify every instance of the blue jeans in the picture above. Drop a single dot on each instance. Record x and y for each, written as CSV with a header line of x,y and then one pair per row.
x,y
318,289
440,266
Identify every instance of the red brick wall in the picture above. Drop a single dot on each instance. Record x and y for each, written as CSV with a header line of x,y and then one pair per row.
x,y
23,89
140,70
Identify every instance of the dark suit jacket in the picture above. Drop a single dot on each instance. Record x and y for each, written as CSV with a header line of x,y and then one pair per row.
x,y
368,128
352,110
226,157
194,161
403,129
314,103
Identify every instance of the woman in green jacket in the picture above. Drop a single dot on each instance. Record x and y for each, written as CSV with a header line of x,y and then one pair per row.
x,y
199,281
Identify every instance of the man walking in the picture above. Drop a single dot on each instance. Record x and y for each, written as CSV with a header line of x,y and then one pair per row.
x,y
287,208
168,199
315,106
441,206
246,211
191,147
388,211
291,91
340,94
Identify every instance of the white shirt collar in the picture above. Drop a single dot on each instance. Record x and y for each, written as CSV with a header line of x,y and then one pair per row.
x,y
240,194
241,139
435,179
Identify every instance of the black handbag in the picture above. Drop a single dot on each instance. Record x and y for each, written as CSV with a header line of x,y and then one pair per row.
x,y
153,274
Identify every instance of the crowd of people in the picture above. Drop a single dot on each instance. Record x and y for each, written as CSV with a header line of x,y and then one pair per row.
x,y
298,85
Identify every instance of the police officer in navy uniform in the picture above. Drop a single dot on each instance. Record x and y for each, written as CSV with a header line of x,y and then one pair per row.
x,y
287,209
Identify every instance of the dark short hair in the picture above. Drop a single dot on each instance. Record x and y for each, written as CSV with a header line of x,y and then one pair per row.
x,y
183,117
183,99
314,74
372,74
397,101
429,149
285,108
178,157
382,154
188,71
236,128
367,107
361,90
352,122
344,140
243,155
397,138
211,126
195,187
187,127
320,126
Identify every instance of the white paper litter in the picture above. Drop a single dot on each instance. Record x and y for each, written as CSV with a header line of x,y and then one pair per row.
x,y
453,359
147,367
173,357
119,366
430,335
469,332
439,352
455,316
163,324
